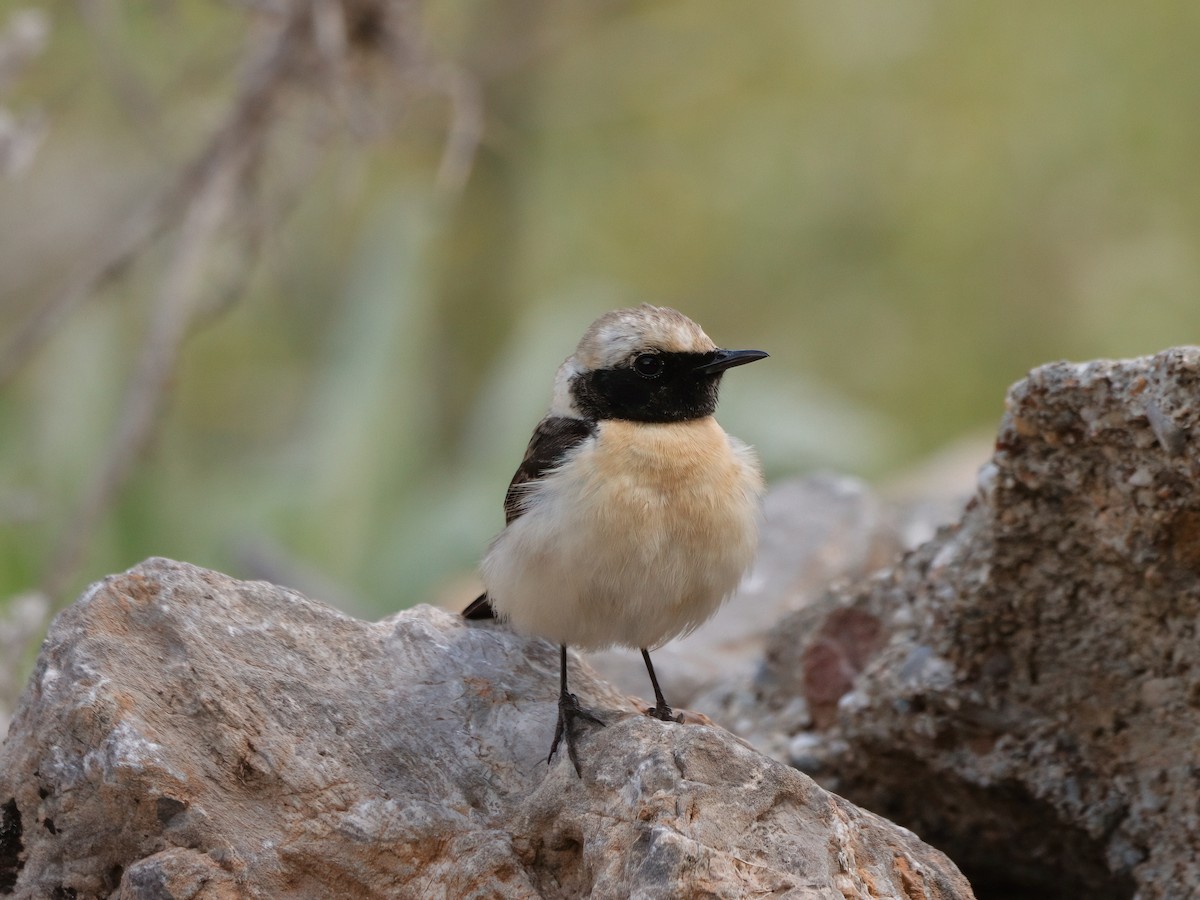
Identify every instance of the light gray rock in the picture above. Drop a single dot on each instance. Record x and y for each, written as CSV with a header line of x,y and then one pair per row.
x,y
1024,689
192,736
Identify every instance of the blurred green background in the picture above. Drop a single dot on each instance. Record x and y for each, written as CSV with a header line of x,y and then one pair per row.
x,y
909,203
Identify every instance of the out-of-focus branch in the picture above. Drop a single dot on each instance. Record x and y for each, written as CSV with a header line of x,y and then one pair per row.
x,y
175,307
207,195
306,48
124,242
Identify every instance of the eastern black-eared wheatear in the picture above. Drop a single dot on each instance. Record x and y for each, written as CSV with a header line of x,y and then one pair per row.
x,y
633,514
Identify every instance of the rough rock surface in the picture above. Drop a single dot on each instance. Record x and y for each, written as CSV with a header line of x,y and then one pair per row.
x,y
1039,662
187,735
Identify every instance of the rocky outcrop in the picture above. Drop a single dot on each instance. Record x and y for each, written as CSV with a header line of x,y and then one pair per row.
x,y
187,735
1039,663
1023,690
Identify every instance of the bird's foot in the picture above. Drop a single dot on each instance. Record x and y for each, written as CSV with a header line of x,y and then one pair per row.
x,y
568,711
664,713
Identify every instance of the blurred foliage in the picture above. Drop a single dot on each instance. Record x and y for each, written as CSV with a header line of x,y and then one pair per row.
x,y
908,203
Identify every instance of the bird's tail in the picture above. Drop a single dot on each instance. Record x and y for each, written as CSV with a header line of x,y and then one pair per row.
x,y
480,608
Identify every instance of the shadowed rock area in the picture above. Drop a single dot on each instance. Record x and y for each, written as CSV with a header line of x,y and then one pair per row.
x,y
1039,663
187,735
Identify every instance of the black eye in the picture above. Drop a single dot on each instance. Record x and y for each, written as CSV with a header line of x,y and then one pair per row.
x,y
648,365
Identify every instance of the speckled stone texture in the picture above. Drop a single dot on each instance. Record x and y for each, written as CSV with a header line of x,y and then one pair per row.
x,y
186,735
1024,690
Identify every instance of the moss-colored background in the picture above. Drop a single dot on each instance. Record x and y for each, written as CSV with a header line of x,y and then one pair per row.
x,y
909,203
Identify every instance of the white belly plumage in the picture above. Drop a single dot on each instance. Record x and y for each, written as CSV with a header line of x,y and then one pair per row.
x,y
637,538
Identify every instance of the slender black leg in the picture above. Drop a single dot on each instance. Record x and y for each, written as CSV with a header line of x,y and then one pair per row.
x,y
568,711
661,710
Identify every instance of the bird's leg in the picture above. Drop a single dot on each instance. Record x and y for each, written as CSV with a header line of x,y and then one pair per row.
x,y
661,710
568,711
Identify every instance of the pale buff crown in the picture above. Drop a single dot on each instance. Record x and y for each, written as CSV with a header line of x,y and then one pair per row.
x,y
617,336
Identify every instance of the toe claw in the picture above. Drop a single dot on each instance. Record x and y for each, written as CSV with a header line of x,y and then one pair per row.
x,y
664,713
569,711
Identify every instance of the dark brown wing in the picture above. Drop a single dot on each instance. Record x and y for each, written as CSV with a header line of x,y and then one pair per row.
x,y
552,439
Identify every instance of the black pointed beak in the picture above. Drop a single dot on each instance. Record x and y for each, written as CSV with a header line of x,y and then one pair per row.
x,y
720,360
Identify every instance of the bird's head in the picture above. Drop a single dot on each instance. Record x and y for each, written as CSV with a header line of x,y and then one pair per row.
x,y
647,364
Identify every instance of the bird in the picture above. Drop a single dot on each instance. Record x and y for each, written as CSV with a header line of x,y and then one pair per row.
x,y
633,514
